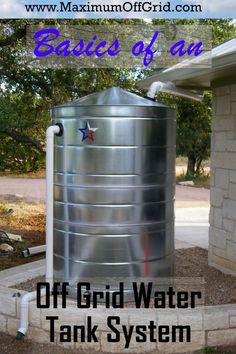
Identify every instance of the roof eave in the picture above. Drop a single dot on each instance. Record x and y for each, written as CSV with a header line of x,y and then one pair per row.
x,y
221,71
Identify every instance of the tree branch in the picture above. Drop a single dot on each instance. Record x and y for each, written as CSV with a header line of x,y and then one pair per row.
x,y
23,138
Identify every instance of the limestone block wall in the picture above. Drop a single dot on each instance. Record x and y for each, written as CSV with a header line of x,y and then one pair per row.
x,y
222,232
210,325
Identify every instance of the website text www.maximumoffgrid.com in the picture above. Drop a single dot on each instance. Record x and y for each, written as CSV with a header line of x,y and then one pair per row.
x,y
125,7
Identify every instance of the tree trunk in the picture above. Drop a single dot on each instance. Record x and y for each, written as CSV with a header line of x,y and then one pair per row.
x,y
191,165
199,165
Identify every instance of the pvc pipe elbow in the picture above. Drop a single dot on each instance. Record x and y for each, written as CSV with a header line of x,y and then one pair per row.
x,y
52,130
154,88
24,313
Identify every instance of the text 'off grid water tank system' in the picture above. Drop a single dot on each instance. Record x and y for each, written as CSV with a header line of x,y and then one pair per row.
x,y
114,183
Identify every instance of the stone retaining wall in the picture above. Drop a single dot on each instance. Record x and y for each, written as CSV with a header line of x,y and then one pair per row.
x,y
210,325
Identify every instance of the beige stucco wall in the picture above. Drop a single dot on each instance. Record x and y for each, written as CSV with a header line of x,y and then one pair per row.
x,y
222,232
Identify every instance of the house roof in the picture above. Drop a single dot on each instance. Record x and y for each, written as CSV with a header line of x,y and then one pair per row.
x,y
186,75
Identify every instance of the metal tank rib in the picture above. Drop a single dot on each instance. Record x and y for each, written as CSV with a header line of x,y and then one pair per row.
x,y
114,190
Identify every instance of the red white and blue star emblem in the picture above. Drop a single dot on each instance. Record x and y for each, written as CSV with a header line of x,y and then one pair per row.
x,y
87,132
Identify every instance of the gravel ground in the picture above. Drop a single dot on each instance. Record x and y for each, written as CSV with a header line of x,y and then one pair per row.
x,y
189,263
219,287
9,345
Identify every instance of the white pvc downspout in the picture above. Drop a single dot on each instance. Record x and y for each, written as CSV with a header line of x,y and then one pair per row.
x,y
24,314
24,306
169,87
51,131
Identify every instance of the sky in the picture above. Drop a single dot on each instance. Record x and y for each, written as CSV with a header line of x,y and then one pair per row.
x,y
212,9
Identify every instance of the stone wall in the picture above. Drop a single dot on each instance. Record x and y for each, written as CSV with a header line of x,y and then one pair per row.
x,y
210,325
222,233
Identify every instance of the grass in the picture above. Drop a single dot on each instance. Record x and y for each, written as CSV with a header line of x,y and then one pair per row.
x,y
26,216
37,174
3,208
202,180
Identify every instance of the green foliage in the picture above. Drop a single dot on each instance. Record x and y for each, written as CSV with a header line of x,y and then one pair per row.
x,y
21,159
22,129
27,95
194,118
194,132
222,29
200,180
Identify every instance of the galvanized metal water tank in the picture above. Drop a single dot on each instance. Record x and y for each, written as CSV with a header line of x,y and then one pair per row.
x,y
114,187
